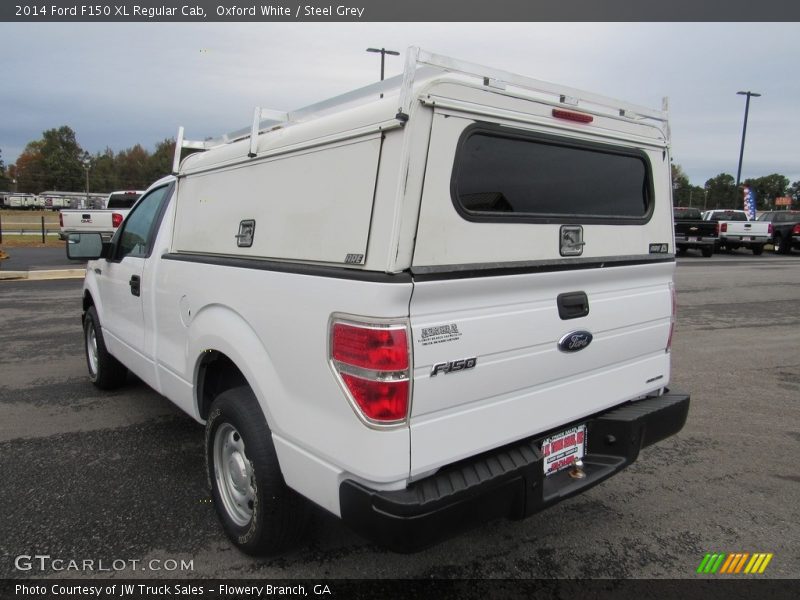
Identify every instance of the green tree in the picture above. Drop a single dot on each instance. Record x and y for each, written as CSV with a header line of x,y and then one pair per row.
x,y
683,192
768,188
62,160
722,192
794,193
131,168
160,162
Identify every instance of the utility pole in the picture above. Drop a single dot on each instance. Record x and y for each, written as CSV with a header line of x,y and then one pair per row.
x,y
744,131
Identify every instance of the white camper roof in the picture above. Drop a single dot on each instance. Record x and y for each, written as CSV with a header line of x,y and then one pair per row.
x,y
389,104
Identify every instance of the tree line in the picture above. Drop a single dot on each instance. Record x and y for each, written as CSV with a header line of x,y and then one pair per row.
x,y
721,191
57,162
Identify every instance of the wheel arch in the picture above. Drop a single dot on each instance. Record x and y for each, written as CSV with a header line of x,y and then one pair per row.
x,y
228,353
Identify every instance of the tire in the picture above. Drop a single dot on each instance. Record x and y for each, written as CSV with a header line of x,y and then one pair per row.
x,y
757,250
707,251
105,371
258,511
781,244
681,250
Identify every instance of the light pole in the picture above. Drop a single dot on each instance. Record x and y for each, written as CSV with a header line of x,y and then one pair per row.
x,y
744,131
383,52
86,163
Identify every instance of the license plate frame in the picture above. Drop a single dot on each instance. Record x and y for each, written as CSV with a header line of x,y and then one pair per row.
x,y
563,449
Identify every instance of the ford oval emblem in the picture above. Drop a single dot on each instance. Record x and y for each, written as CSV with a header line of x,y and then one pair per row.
x,y
575,341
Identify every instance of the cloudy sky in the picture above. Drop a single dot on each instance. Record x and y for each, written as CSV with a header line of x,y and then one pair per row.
x,y
121,84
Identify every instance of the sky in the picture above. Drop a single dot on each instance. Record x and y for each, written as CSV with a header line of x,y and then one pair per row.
x,y
119,84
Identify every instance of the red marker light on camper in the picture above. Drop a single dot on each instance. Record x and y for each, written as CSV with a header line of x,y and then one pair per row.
x,y
569,115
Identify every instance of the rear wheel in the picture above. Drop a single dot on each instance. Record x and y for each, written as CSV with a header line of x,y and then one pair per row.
x,y
258,511
757,250
707,251
105,371
781,244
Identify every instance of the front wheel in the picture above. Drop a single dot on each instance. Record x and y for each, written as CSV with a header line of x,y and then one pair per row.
x,y
105,371
258,511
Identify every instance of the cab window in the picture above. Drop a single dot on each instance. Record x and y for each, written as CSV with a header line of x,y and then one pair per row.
x,y
139,228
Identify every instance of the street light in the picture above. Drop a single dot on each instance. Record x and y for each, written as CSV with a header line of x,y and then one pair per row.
x,y
86,164
744,131
383,52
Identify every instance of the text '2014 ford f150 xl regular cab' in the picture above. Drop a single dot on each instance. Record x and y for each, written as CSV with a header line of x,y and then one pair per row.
x,y
438,300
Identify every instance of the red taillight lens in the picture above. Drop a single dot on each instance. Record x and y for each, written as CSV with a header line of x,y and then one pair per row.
x,y
116,220
723,227
379,400
372,361
796,229
381,349
60,220
572,116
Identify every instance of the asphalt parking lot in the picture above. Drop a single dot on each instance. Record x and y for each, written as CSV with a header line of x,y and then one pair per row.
x,y
119,476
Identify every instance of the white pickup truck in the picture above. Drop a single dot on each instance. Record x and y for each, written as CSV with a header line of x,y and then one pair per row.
x,y
435,301
735,230
104,221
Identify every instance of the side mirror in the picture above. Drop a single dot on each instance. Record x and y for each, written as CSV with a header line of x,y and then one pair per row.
x,y
85,246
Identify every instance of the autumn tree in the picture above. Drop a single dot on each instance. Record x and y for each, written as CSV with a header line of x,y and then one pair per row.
x,y
29,169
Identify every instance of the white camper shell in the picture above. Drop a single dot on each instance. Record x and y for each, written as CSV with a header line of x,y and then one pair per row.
x,y
448,295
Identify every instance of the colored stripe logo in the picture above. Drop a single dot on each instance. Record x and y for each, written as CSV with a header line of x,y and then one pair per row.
x,y
735,563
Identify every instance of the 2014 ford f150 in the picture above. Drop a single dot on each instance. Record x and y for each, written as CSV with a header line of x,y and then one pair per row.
x,y
438,300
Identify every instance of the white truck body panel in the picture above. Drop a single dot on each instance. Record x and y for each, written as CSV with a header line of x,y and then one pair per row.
x,y
355,212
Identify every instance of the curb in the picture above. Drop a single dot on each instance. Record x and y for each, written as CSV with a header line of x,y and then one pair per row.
x,y
43,275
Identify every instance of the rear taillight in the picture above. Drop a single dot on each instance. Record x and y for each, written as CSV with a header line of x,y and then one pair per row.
x,y
372,361
672,316
60,220
723,227
796,229
116,220
769,229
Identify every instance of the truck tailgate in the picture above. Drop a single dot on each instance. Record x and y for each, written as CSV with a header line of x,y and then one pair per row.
x,y
522,383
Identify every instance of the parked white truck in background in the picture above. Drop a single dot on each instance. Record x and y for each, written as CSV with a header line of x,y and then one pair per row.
x,y
735,230
104,221
437,300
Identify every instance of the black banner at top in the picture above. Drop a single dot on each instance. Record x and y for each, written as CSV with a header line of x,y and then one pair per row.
x,y
396,10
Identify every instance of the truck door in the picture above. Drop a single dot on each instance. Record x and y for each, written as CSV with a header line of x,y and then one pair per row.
x,y
123,287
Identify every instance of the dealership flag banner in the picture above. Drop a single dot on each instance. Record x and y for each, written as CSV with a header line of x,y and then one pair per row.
x,y
750,203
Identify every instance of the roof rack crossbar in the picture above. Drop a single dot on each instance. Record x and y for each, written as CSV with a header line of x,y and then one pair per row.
x,y
416,58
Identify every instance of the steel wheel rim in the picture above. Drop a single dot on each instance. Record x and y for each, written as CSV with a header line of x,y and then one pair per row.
x,y
234,474
91,348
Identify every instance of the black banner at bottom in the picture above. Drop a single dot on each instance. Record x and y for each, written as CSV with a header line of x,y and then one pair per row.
x,y
259,589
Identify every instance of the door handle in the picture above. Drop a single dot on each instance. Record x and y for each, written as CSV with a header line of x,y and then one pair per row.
x,y
572,305
136,285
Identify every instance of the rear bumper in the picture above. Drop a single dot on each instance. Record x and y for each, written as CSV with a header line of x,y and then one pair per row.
x,y
506,482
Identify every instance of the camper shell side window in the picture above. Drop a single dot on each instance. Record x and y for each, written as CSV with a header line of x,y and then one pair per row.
x,y
506,175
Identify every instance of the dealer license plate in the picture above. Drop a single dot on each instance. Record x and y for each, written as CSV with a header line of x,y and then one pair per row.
x,y
563,449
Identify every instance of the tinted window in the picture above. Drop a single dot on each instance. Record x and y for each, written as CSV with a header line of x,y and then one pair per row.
x,y
122,200
687,214
520,176
137,229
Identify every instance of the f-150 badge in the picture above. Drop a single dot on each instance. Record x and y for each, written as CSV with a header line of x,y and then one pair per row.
x,y
454,365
